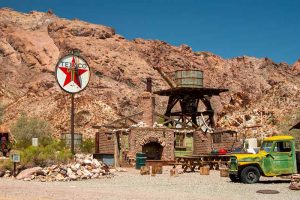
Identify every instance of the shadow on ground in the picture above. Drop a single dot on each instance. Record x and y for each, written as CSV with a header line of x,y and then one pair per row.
x,y
274,181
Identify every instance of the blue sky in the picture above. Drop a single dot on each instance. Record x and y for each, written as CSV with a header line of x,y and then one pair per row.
x,y
229,28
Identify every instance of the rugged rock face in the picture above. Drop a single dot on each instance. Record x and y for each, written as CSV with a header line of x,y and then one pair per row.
x,y
261,92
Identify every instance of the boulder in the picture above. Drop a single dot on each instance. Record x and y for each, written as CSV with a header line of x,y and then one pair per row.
x,y
69,171
77,166
73,177
96,163
87,173
28,172
95,171
53,167
74,169
95,176
79,172
59,177
174,172
7,174
295,182
87,161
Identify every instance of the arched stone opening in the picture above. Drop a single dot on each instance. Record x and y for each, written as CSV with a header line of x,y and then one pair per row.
x,y
153,150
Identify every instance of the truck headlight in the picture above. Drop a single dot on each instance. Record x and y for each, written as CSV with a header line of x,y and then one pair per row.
x,y
233,165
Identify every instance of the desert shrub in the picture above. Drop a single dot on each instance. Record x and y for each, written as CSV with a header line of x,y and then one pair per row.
x,y
54,153
87,146
27,128
29,156
64,156
6,164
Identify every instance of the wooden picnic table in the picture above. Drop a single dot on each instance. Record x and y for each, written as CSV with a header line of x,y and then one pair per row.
x,y
196,161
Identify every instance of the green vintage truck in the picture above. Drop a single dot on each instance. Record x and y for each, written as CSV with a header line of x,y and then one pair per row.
x,y
277,157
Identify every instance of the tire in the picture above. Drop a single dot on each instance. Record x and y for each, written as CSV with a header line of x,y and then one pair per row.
x,y
234,178
250,175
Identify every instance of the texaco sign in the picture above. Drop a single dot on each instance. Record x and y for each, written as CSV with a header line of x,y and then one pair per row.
x,y
72,73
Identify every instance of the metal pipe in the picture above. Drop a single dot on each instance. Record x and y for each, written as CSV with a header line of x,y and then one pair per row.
x,y
97,143
165,77
149,84
72,124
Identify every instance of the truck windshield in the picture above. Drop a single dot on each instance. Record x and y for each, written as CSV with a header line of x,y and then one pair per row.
x,y
266,146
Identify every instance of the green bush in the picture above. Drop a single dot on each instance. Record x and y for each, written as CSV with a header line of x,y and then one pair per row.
x,y
27,128
54,153
6,164
64,156
87,146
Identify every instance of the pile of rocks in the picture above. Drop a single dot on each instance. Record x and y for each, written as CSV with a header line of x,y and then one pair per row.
x,y
6,173
295,182
83,167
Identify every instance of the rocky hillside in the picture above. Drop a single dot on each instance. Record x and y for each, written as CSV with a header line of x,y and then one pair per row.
x,y
261,92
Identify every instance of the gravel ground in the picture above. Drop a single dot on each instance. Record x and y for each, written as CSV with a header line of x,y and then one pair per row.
x,y
131,185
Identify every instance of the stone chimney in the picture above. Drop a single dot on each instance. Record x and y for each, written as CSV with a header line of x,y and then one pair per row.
x,y
147,104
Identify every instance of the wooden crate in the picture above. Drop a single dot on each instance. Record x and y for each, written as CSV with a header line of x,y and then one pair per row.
x,y
224,172
157,169
204,170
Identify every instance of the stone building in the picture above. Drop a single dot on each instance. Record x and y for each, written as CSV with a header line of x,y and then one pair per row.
x,y
136,133
184,131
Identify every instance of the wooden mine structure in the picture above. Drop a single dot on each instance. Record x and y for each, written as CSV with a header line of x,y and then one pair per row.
x,y
188,99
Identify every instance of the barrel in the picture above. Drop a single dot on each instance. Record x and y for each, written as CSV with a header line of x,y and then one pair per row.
x,y
189,78
66,137
140,160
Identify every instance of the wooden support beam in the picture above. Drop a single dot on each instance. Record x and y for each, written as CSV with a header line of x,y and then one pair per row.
x,y
97,140
116,150
175,121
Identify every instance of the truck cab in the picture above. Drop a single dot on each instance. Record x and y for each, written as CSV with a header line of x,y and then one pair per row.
x,y
276,157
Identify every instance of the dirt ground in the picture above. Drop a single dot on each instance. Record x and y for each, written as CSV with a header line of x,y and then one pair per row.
x,y
131,185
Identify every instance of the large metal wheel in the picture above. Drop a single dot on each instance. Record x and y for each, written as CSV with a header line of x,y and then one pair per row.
x,y
250,174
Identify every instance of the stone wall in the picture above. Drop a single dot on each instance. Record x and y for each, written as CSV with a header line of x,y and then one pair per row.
x,y
141,136
203,142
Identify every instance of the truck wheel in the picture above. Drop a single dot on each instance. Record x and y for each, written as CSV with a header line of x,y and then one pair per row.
x,y
250,175
234,178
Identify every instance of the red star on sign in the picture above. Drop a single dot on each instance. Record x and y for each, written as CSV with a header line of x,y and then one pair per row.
x,y
73,74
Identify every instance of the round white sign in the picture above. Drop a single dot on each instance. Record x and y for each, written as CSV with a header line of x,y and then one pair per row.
x,y
72,73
